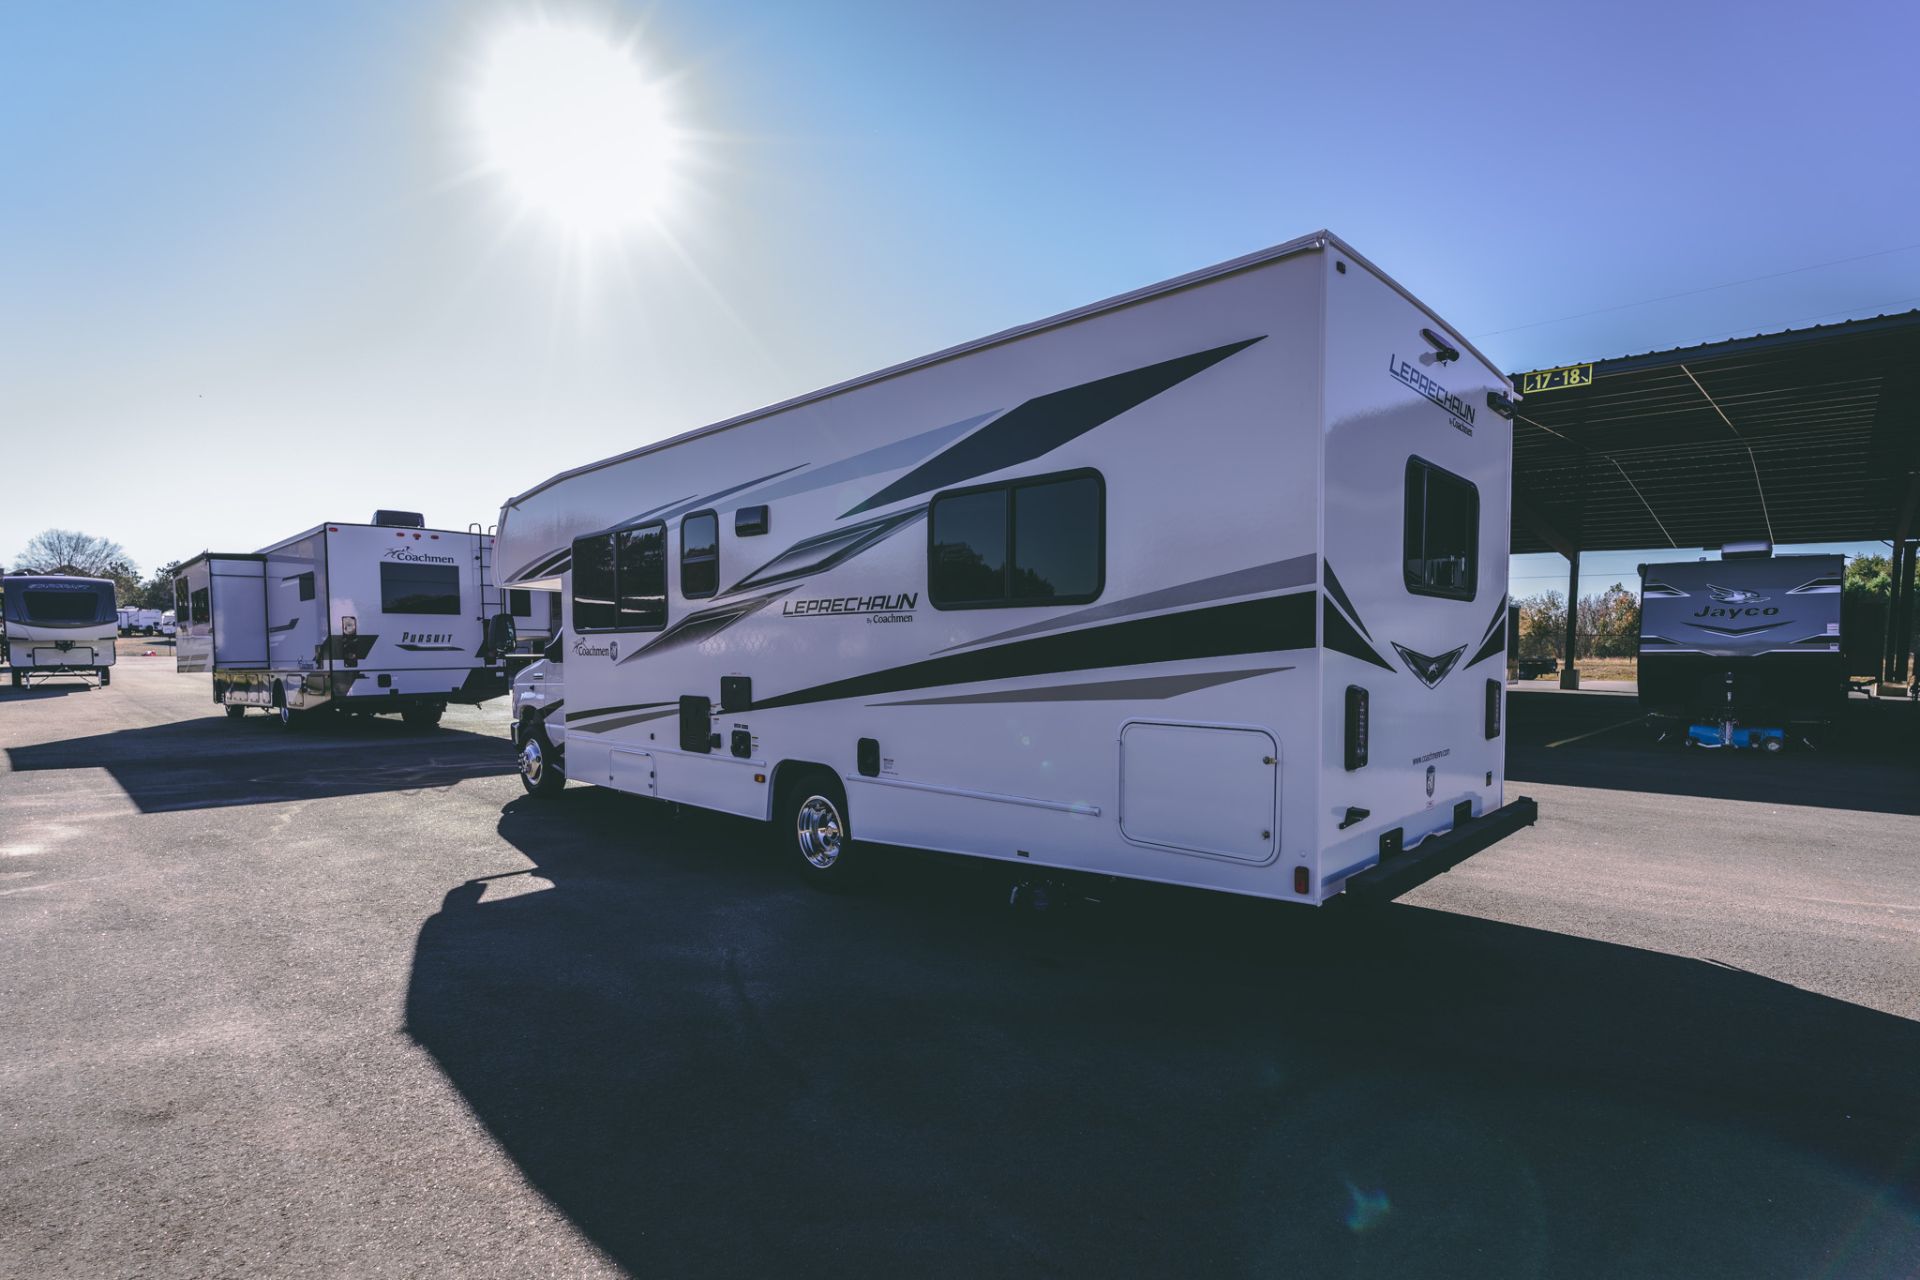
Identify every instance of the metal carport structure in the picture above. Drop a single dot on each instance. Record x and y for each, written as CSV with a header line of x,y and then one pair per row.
x,y
1809,435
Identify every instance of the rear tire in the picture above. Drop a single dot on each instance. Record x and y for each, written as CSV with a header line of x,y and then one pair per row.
x,y
234,710
106,676
422,717
15,673
811,823
541,770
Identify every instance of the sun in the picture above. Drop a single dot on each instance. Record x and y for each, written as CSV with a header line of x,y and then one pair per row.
x,y
571,122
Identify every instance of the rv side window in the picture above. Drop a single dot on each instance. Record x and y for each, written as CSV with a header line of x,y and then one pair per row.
x,y
1442,542
700,555
642,575
1028,542
593,606
419,588
556,650
306,586
179,598
202,609
520,603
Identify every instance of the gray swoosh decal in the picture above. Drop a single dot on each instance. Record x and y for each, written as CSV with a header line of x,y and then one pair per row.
x,y
1151,687
1277,576
887,457
621,722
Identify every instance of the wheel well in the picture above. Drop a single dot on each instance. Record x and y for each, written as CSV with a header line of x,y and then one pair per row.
x,y
790,773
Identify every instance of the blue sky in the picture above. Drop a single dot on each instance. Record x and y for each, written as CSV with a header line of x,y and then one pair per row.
x,y
249,279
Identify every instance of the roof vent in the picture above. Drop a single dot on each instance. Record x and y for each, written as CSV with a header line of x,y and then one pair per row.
x,y
400,519
1749,549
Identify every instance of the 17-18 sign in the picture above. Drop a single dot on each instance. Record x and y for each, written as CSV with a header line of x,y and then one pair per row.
x,y
1574,375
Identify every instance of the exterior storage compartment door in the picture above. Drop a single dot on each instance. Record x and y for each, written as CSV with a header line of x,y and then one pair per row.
x,y
1197,788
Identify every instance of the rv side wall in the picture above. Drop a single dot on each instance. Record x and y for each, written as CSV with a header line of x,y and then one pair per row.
x,y
1160,723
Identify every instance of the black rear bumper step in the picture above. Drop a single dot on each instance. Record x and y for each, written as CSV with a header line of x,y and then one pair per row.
x,y
1440,852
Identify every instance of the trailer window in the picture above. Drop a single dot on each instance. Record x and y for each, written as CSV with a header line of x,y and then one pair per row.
x,y
700,555
419,588
80,602
202,609
520,603
1442,541
179,598
642,577
593,585
306,586
1027,542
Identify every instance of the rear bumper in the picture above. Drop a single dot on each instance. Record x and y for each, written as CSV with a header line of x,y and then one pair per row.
x,y
1403,872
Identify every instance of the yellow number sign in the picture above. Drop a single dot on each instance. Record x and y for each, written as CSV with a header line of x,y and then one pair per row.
x,y
1574,375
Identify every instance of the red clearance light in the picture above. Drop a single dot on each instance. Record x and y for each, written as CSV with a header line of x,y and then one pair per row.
x,y
1300,880
333,528
416,537
434,536
398,534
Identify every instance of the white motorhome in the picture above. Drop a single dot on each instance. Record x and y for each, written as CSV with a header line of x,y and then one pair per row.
x,y
59,625
168,627
362,618
1204,585
139,622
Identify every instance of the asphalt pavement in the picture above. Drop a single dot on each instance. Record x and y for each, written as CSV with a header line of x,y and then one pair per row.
x,y
286,1003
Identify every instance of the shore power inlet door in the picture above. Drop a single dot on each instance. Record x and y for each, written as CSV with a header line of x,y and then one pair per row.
x,y
1200,788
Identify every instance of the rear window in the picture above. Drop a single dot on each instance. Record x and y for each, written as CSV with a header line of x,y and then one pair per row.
x,y
419,588
1442,535
78,602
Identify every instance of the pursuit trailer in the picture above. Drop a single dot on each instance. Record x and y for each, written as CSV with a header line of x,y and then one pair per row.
x,y
58,625
361,618
1742,649
1203,585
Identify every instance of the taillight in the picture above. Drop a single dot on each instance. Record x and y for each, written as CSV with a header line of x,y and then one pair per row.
x,y
1493,708
1356,745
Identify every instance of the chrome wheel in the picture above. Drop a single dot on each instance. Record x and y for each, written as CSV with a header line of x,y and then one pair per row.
x,y
533,762
820,831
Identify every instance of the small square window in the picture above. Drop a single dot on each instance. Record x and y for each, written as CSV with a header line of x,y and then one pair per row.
x,y
1442,532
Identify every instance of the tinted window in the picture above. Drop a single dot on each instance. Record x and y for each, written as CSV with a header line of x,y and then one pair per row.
x,y
80,602
179,597
1442,541
1028,542
556,650
306,586
593,583
642,577
520,603
700,555
419,588
969,557
202,610
1056,539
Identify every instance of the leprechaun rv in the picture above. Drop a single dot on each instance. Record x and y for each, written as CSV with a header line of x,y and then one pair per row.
x,y
1204,584
364,618
59,625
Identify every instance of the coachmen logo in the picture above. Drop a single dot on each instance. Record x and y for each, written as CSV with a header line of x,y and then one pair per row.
x,y
410,556
1429,670
1728,595
611,649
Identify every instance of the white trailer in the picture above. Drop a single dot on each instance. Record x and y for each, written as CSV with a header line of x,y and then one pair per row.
x,y
58,625
139,622
359,618
1203,585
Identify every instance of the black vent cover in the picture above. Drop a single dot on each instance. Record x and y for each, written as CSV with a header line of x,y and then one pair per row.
x,y
400,519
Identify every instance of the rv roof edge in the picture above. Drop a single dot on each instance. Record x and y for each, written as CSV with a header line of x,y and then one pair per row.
x,y
1310,243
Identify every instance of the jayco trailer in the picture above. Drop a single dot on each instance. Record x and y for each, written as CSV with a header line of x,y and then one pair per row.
x,y
57,625
1742,646
366,618
1204,585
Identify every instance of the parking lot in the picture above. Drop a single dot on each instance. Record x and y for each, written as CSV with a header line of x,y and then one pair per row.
x,y
344,1001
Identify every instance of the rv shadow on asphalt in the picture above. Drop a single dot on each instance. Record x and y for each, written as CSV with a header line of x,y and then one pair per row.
x,y
1869,760
713,1070
55,688
212,762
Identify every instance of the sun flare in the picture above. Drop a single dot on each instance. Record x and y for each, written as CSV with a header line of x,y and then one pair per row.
x,y
579,133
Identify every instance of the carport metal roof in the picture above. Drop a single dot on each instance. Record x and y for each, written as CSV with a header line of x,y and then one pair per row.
x,y
1810,435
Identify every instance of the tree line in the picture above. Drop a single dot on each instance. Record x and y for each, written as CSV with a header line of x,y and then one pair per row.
x,y
87,555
